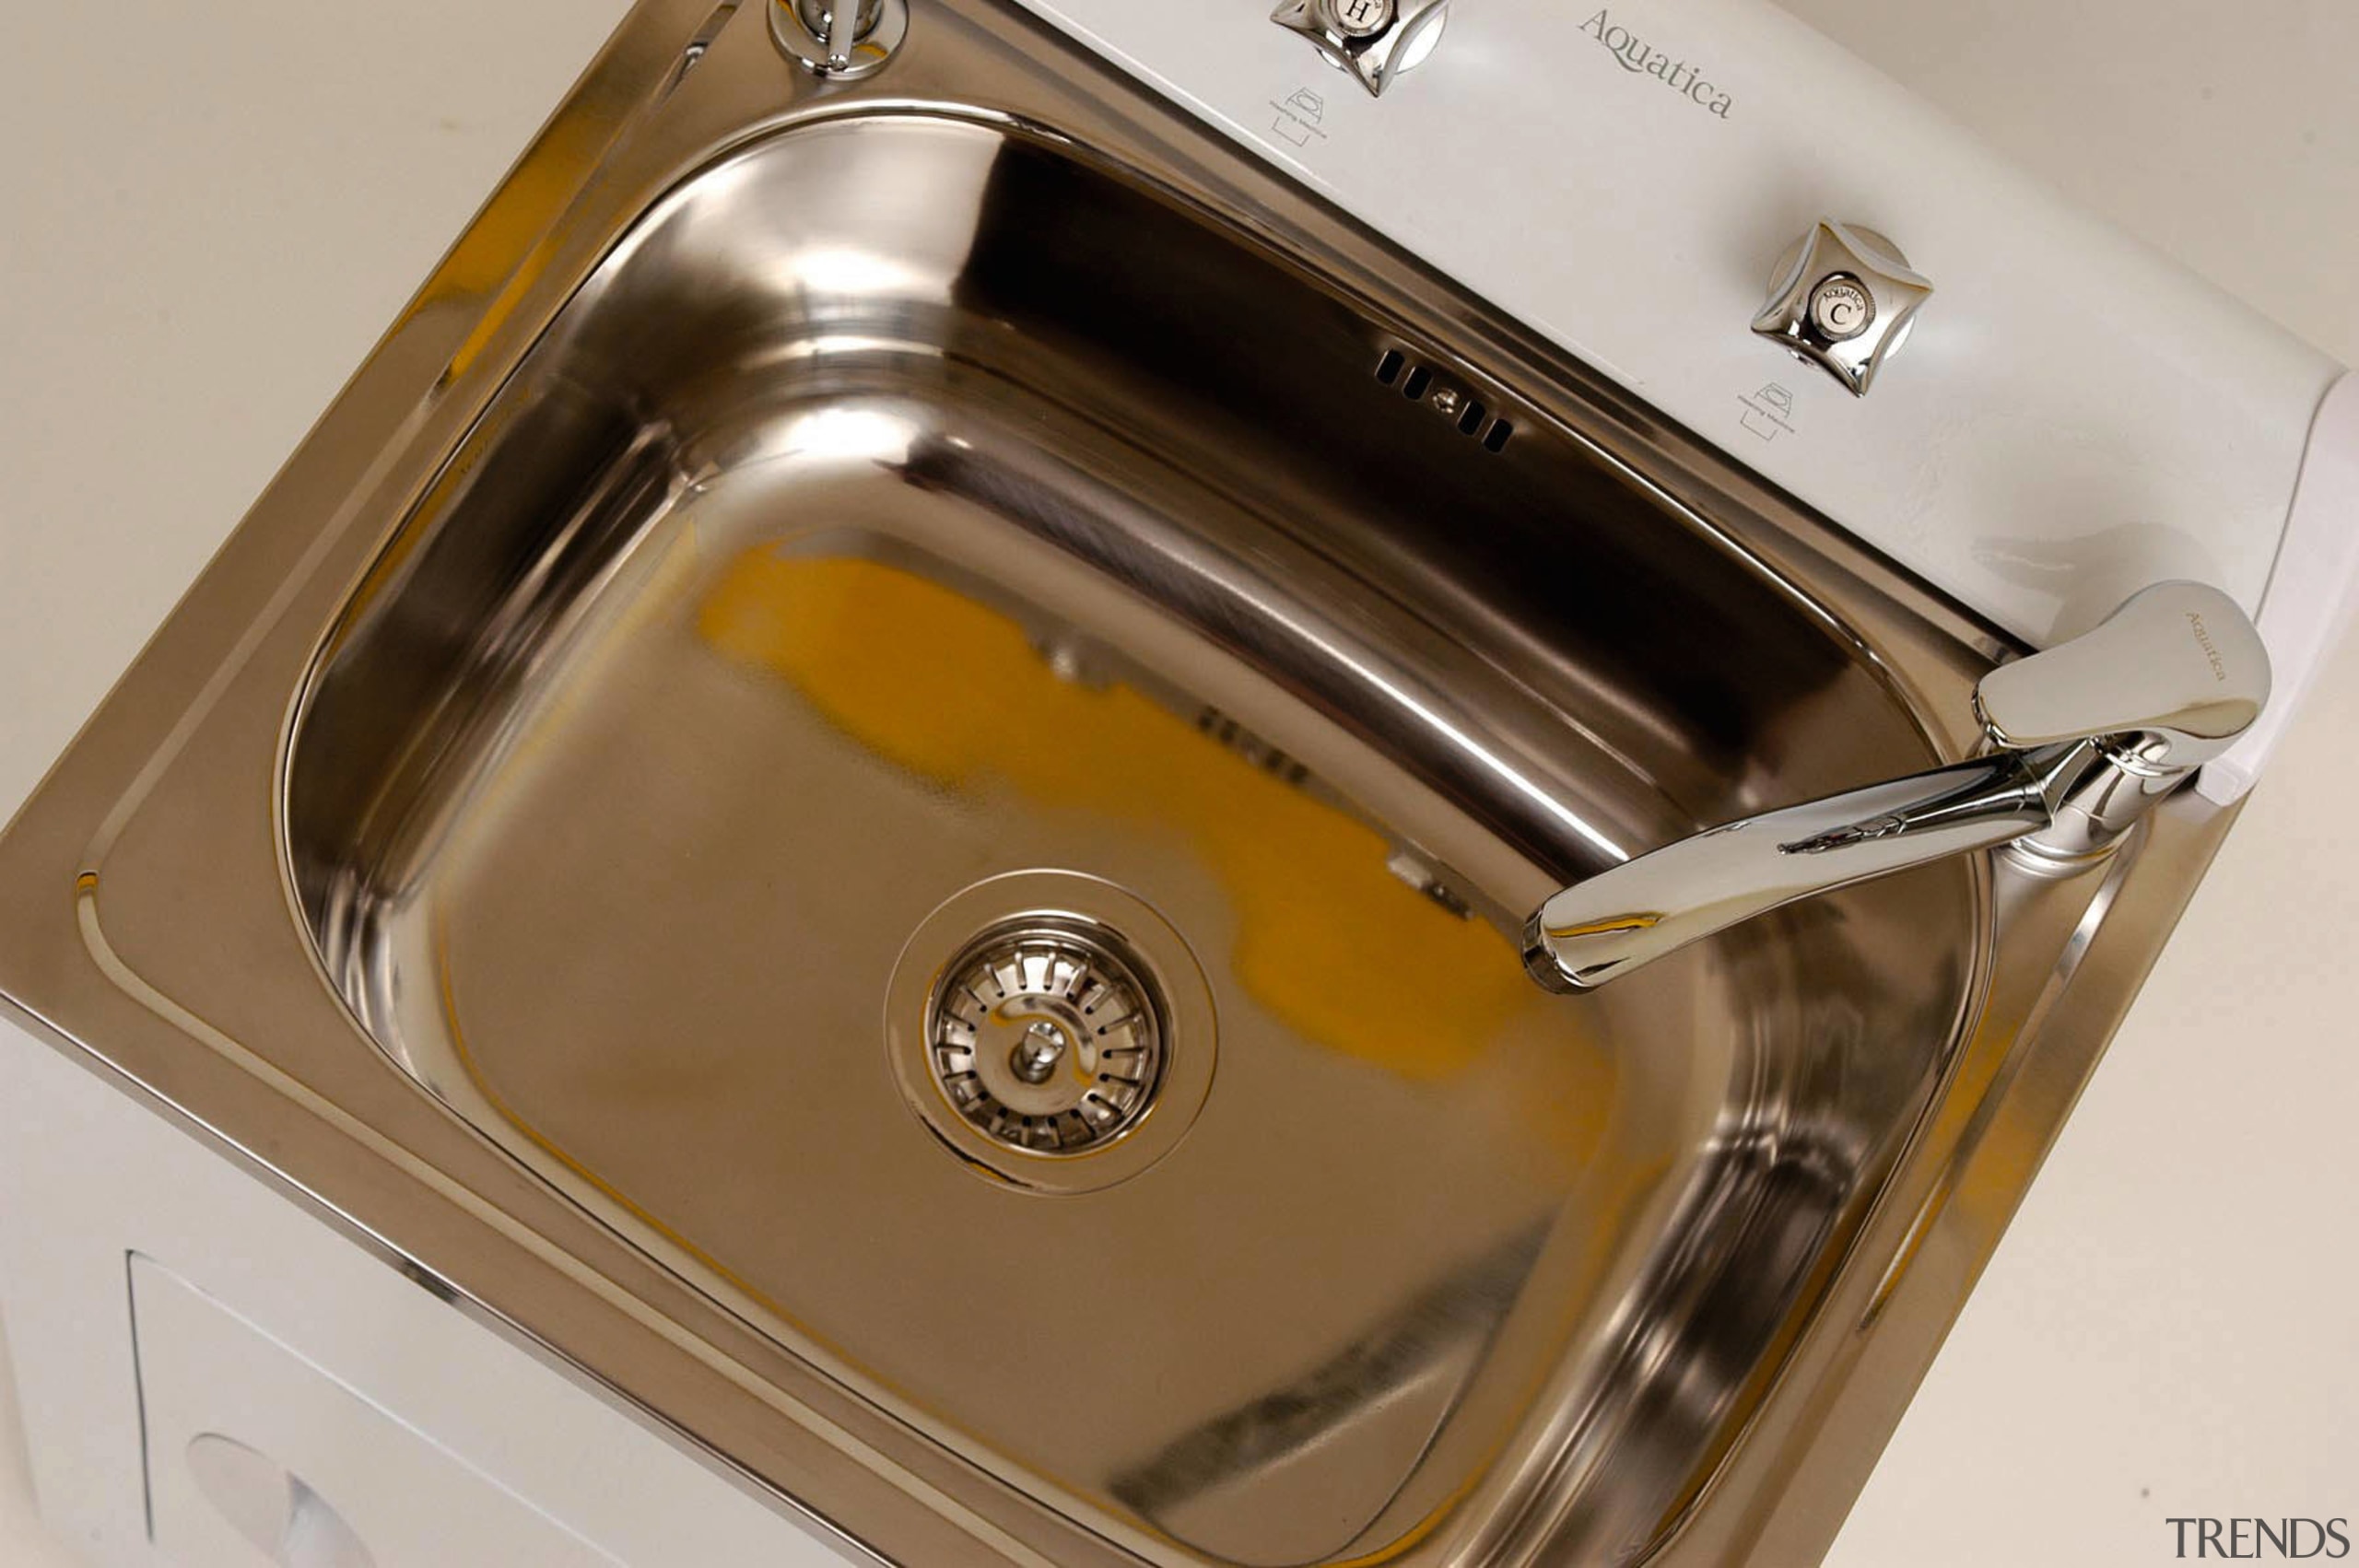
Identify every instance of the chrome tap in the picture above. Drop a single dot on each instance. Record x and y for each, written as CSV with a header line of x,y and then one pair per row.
x,y
841,40
2084,738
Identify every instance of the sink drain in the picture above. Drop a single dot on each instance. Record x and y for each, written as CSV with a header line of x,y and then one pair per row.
x,y
1045,1039
1052,1030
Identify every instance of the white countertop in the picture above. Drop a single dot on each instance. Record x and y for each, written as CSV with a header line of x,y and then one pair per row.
x,y
210,214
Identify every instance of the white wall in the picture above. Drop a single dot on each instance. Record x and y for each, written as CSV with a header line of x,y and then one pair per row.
x,y
211,213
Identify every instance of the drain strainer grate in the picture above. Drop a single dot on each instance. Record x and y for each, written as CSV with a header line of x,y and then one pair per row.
x,y
1046,1039
1052,1030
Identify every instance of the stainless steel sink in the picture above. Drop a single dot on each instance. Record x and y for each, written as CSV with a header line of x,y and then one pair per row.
x,y
927,711
909,502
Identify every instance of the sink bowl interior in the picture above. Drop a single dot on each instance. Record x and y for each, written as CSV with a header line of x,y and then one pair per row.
x,y
906,504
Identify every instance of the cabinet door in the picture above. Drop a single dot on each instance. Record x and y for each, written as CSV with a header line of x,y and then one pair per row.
x,y
255,1454
349,1410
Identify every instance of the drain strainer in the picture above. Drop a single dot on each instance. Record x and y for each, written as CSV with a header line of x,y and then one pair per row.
x,y
1053,1029
1045,1039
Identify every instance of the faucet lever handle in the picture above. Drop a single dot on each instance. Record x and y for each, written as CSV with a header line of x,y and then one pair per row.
x,y
2173,676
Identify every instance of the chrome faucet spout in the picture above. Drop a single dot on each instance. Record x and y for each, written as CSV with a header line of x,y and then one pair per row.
x,y
1658,902
2085,737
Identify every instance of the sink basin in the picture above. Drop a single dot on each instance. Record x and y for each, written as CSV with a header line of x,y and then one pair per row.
x,y
913,530
877,785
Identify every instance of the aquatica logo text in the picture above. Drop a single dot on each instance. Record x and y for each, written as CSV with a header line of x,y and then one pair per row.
x,y
1640,58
